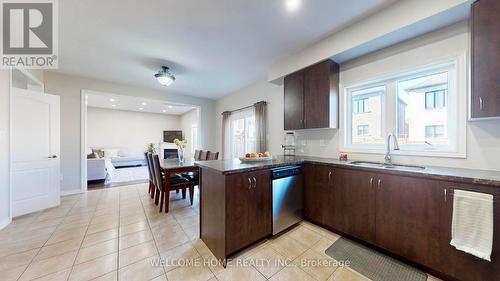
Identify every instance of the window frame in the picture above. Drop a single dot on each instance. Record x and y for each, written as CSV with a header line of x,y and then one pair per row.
x,y
456,107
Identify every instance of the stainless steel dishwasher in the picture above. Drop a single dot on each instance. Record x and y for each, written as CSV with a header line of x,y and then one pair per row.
x,y
287,197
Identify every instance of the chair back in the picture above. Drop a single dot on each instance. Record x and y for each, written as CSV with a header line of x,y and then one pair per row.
x,y
147,155
213,155
203,155
197,154
157,172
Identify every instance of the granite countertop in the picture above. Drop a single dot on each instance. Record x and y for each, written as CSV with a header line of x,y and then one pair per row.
x,y
235,166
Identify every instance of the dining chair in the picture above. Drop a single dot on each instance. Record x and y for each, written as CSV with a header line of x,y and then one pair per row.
x,y
176,183
212,155
197,154
203,155
151,188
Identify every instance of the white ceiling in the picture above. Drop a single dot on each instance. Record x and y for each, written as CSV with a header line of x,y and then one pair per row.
x,y
129,103
214,47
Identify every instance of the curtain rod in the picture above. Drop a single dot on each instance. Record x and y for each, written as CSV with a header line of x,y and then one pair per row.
x,y
243,108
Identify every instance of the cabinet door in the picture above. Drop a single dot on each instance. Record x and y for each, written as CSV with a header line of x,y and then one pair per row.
x,y
316,193
317,96
248,209
458,264
294,101
408,217
357,196
261,213
485,26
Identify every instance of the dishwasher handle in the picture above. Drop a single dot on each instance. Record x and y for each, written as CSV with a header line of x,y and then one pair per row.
x,y
287,171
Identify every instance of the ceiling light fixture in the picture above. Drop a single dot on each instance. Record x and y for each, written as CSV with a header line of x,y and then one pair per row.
x,y
164,76
140,108
292,5
113,105
170,106
143,103
164,111
111,100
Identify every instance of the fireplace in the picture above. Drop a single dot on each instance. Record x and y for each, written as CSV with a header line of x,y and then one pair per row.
x,y
170,153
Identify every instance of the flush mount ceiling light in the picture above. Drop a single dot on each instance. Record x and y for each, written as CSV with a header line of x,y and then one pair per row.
x,y
164,76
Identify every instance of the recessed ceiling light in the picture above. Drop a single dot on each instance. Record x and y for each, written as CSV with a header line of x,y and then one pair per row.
x,y
170,106
113,105
140,108
292,5
164,111
143,103
111,100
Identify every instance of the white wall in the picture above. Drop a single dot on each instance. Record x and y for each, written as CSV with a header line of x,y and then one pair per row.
x,y
483,137
69,89
188,120
4,147
130,130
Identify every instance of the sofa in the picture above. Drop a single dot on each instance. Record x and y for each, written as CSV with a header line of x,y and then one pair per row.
x,y
96,169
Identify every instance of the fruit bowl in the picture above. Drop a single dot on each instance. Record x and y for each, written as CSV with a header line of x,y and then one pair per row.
x,y
256,159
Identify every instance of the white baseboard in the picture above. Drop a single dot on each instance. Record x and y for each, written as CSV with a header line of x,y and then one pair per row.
x,y
70,192
5,222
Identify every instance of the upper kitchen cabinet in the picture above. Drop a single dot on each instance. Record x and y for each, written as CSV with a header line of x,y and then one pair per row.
x,y
485,31
311,97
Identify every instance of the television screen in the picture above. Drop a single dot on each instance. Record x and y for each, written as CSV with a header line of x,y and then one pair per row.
x,y
170,136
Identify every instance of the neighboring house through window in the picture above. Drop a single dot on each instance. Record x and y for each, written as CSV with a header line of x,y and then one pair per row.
x,y
363,130
435,131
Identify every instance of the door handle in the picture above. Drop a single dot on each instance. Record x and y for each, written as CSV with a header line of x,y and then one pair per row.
x,y
481,103
52,157
249,183
255,182
379,183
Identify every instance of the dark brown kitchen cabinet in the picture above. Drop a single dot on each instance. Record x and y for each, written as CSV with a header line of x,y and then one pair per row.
x,y
236,210
355,204
311,97
458,264
485,58
249,209
294,101
318,192
408,217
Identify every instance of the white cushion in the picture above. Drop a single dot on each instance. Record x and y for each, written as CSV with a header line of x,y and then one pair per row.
x,y
110,152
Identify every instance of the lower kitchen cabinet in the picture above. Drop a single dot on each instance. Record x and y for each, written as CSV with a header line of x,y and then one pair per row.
x,y
249,209
408,212
318,192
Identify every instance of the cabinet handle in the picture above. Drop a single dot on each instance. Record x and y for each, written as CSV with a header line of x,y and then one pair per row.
x,y
249,183
379,183
255,182
371,182
481,103
445,195
329,175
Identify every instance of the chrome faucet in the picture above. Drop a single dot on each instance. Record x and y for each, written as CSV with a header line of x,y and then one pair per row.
x,y
388,158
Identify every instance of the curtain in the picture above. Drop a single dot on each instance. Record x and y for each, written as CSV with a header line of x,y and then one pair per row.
x,y
260,126
226,131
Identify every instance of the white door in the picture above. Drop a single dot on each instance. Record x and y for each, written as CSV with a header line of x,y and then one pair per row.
x,y
35,151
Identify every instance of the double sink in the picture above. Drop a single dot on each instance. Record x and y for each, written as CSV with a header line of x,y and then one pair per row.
x,y
387,166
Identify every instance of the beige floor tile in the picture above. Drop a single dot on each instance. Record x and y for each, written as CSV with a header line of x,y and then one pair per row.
x,y
97,250
94,268
346,274
192,232
291,273
268,262
137,253
165,243
432,278
160,278
48,266
59,248
305,236
101,227
135,238
320,266
57,276
183,252
323,244
201,247
141,270
134,227
190,273
13,273
98,237
288,247
241,273
110,276
17,260
21,246
66,235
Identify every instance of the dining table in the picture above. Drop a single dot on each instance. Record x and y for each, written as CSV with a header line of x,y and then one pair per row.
x,y
174,166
